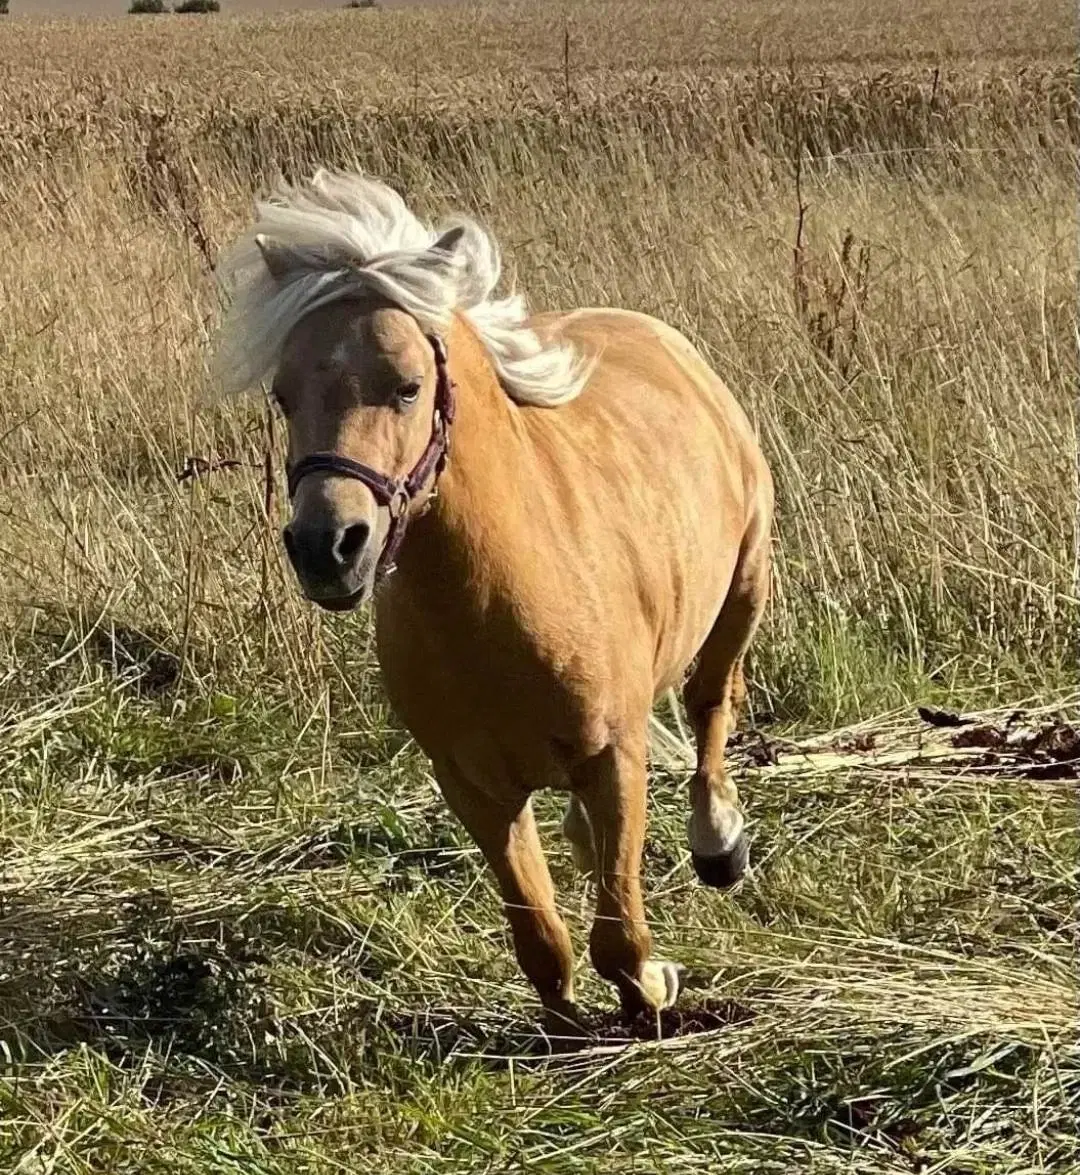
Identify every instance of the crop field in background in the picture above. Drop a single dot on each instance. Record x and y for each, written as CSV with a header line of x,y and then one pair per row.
x,y
239,931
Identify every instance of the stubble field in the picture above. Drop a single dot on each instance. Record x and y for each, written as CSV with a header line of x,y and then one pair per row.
x,y
239,932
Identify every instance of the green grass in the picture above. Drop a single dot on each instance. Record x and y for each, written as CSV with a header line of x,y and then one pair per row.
x,y
238,942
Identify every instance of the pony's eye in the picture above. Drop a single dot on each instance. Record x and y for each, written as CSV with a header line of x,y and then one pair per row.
x,y
408,393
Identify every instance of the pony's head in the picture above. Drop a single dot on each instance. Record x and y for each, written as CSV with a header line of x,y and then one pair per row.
x,y
343,298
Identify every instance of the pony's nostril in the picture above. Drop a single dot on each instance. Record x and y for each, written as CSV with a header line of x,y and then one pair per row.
x,y
351,541
324,555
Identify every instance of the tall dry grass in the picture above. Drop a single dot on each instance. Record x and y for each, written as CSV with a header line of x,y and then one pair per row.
x,y
878,262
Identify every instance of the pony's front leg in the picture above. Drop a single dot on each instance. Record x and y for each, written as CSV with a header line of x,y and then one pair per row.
x,y
502,824
612,787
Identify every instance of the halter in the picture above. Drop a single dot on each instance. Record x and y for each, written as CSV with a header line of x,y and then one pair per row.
x,y
397,495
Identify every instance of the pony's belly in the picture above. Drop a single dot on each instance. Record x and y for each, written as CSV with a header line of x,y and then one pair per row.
x,y
680,639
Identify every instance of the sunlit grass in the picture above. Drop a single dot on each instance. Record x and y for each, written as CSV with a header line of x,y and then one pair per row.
x,y
239,931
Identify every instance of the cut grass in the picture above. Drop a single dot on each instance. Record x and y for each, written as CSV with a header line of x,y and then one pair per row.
x,y
293,975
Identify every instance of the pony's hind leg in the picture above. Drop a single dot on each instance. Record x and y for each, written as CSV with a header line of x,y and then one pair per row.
x,y
578,831
502,825
611,786
714,693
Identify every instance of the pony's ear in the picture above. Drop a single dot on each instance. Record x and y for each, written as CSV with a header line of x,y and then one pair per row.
x,y
443,253
450,240
280,260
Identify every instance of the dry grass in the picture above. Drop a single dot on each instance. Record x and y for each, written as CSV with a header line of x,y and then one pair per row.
x,y
238,931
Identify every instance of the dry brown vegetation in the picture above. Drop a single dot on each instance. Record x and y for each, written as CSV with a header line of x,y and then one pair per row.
x,y
220,861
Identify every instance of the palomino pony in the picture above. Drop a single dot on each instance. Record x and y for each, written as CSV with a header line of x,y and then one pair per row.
x,y
603,520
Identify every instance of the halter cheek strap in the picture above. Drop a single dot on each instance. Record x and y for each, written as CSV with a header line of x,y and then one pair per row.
x,y
397,495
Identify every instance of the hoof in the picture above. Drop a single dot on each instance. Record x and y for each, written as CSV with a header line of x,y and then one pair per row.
x,y
564,1028
723,870
583,860
656,989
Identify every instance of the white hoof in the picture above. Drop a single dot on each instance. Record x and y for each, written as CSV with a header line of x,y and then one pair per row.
x,y
659,983
714,830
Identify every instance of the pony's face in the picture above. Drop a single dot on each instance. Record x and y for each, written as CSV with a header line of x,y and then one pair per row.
x,y
357,380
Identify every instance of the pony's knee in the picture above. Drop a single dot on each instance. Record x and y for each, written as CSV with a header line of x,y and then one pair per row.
x,y
737,697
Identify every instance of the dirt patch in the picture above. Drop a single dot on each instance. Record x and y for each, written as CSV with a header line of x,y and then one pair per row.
x,y
439,1034
708,1016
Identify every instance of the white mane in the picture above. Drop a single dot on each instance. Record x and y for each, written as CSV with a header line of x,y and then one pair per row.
x,y
343,233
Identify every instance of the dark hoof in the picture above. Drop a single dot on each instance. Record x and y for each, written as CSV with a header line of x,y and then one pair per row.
x,y
723,871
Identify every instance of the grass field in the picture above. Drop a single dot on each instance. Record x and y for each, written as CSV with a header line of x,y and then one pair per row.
x,y
239,932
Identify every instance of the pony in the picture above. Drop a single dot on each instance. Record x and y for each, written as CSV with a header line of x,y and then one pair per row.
x,y
557,517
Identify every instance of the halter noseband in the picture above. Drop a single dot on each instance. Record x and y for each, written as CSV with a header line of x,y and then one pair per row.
x,y
397,495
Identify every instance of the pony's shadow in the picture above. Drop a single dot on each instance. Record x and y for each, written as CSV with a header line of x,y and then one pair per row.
x,y
198,996
141,979
143,661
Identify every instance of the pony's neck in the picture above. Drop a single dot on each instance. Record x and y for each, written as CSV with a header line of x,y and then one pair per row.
x,y
457,539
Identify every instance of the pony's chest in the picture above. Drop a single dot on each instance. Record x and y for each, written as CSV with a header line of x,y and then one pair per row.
x,y
550,698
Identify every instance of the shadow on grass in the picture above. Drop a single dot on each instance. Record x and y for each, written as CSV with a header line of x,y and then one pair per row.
x,y
144,661
119,978
433,1034
136,981
402,866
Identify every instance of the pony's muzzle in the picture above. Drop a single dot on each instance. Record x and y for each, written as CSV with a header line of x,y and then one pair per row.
x,y
333,564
